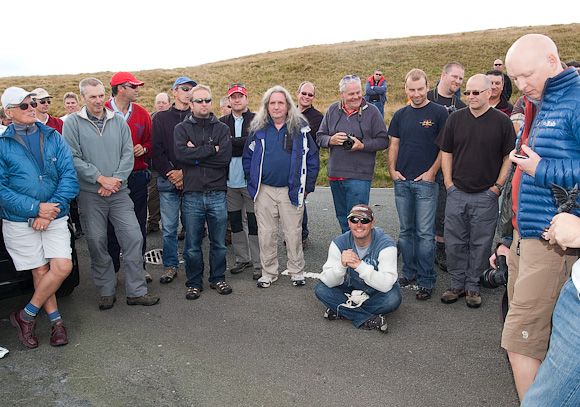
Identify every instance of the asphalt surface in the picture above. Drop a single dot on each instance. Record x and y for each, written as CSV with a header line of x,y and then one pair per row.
x,y
259,347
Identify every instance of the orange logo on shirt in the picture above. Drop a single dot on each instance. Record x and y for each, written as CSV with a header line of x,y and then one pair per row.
x,y
427,123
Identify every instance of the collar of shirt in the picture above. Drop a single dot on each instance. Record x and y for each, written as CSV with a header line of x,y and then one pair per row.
x,y
125,116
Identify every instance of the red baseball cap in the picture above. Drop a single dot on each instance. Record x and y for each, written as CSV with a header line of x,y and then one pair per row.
x,y
237,88
125,77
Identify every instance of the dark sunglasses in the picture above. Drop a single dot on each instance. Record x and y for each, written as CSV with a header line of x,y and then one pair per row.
x,y
307,94
43,101
497,64
228,106
206,100
475,92
356,220
235,85
128,85
185,88
24,106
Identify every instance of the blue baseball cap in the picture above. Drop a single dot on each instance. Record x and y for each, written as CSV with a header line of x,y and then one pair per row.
x,y
183,79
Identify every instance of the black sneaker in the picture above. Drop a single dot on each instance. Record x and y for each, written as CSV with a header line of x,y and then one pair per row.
x,y
404,282
377,322
424,293
331,315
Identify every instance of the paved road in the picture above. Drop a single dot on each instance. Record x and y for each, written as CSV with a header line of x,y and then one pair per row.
x,y
260,347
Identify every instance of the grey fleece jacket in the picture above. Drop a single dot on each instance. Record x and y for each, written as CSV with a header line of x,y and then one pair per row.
x,y
109,153
367,124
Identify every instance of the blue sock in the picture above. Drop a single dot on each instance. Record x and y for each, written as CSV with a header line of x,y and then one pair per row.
x,y
29,313
55,317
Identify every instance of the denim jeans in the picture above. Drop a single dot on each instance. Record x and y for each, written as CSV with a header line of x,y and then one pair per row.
x,y
380,106
199,207
346,194
556,383
378,303
170,204
416,203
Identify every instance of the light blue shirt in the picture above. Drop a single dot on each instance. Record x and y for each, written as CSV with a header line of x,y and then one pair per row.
x,y
236,177
125,116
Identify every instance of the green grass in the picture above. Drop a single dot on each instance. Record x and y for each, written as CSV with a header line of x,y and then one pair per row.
x,y
325,65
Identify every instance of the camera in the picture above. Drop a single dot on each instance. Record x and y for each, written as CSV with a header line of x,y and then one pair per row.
x,y
451,109
494,277
349,142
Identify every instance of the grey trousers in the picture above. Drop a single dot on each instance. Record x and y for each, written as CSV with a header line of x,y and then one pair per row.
x,y
470,221
94,210
246,245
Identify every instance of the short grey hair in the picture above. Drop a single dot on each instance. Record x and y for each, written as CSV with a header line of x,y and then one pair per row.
x,y
89,82
348,79
307,83
70,95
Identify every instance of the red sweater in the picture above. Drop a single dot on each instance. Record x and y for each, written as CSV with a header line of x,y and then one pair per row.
x,y
55,123
140,124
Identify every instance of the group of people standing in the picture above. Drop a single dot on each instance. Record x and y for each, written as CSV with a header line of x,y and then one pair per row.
x,y
450,162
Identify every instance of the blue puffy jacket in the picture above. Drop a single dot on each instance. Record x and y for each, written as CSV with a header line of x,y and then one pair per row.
x,y
304,164
555,136
23,186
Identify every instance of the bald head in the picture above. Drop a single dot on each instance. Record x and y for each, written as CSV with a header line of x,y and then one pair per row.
x,y
530,61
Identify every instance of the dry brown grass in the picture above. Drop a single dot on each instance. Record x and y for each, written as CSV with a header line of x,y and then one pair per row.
x,y
324,65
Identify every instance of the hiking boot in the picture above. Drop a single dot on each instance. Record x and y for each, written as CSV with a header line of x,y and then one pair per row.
x,y
221,287
257,274
376,322
193,293
265,281
240,266
299,282
168,275
452,295
404,282
146,300
424,293
473,299
331,315
107,301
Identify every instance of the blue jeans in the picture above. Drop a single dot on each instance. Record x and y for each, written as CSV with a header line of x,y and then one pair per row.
x,y
380,106
170,204
378,303
556,383
417,206
199,207
346,194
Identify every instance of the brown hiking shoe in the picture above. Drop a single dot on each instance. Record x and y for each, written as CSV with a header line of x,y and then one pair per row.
x,y
146,300
452,295
473,299
107,301
168,275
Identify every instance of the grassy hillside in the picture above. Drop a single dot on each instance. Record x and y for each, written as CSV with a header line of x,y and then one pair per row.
x,y
325,65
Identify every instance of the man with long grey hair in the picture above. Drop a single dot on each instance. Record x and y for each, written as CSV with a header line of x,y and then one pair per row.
x,y
281,165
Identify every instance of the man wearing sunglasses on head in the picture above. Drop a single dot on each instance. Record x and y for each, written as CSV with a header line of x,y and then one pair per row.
x,y
170,178
359,279
43,100
203,147
475,144
353,131
37,183
125,89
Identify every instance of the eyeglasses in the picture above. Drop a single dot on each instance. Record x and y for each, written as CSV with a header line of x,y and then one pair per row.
x,y
185,88
475,92
24,106
200,100
43,101
355,220
311,95
236,85
129,85
228,106
350,78
497,64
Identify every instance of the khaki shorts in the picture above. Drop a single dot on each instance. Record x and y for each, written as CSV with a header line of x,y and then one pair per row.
x,y
535,279
31,248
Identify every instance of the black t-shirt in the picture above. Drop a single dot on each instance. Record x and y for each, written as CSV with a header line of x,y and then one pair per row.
x,y
440,100
478,145
417,129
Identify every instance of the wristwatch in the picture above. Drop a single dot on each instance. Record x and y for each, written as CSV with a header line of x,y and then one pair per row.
x,y
498,186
